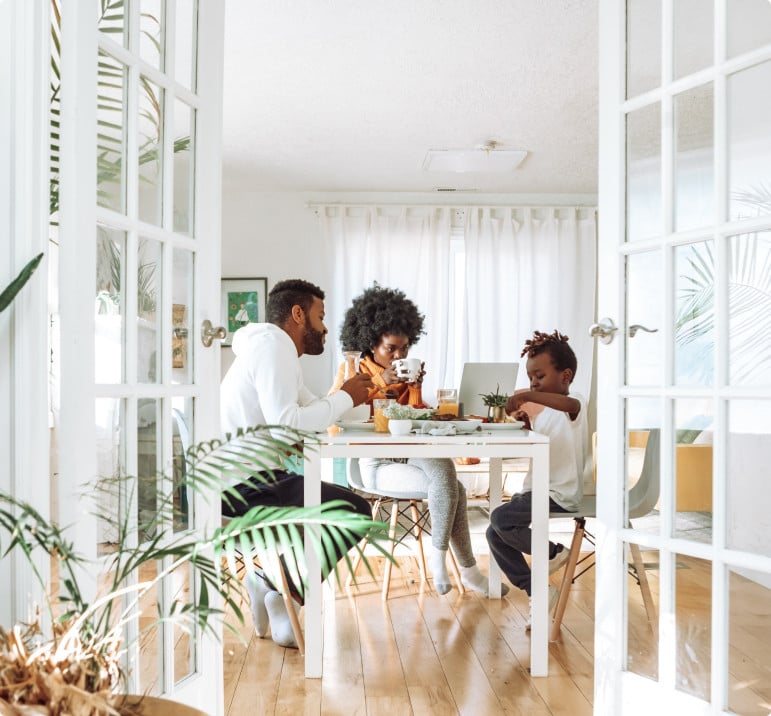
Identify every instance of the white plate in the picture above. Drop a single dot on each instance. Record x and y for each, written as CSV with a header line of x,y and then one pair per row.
x,y
516,425
356,425
461,426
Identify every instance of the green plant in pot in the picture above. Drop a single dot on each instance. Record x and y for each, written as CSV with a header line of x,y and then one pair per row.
x,y
71,659
496,405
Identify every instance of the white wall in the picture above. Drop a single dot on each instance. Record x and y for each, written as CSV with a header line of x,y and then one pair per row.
x,y
277,235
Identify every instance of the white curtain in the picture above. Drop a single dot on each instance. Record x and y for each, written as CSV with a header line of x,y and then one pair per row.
x,y
529,269
526,269
399,247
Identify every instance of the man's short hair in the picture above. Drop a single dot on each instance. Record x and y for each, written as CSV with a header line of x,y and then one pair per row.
x,y
286,294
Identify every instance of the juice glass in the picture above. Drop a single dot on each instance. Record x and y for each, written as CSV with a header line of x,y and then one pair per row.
x,y
447,401
380,420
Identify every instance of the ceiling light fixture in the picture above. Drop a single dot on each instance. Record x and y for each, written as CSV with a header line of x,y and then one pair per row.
x,y
487,159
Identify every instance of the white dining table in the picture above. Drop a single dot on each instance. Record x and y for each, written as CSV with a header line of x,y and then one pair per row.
x,y
493,444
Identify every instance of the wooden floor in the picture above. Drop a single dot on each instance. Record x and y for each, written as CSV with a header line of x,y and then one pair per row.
x,y
423,653
418,653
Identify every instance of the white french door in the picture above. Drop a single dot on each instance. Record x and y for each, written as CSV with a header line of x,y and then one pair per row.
x,y
685,251
138,273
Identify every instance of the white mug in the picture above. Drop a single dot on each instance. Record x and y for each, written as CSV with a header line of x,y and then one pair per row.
x,y
407,369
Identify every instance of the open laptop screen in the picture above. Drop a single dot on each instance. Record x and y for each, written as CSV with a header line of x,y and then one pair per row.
x,y
483,378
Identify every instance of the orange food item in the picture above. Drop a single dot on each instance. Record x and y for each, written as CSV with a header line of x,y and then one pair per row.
x,y
333,430
467,461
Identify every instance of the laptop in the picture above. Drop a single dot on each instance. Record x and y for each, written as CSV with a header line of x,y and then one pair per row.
x,y
483,378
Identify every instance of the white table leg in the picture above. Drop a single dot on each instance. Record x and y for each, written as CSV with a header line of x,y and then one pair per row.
x,y
539,635
314,636
495,491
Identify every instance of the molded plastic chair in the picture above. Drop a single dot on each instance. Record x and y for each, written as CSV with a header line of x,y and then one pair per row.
x,y
642,498
414,514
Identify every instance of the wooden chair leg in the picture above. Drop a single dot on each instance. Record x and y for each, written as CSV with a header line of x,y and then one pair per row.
x,y
391,537
645,590
567,577
289,604
362,546
418,533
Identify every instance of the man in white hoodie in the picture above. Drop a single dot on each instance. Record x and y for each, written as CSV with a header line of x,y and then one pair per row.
x,y
264,386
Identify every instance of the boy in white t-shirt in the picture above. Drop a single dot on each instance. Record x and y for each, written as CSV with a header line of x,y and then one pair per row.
x,y
548,408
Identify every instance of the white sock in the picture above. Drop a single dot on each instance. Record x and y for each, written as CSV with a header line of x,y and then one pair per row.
x,y
474,579
257,588
438,566
280,626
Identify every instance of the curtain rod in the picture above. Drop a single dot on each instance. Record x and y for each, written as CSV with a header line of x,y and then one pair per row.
x,y
319,204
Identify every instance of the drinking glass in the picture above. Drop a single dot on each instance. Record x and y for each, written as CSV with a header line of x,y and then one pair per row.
x,y
351,363
447,401
380,420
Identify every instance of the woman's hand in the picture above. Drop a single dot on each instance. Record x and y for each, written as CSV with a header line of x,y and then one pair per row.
x,y
389,376
421,375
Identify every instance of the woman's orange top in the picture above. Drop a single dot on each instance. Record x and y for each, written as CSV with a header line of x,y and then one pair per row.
x,y
405,393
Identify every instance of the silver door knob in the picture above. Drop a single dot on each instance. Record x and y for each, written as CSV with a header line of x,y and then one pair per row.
x,y
603,330
209,333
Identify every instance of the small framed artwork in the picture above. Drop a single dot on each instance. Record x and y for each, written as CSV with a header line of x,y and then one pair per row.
x,y
243,301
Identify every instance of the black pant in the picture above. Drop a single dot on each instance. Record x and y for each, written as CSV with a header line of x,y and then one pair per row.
x,y
287,489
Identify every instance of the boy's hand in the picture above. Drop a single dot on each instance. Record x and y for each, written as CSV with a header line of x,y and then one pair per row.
x,y
516,401
524,417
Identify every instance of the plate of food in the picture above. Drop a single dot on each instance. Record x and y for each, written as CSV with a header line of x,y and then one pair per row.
x,y
356,424
509,425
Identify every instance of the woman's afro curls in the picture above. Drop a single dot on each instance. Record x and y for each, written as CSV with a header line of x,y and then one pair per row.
x,y
378,312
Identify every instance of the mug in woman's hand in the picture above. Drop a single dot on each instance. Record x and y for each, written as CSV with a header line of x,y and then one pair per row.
x,y
407,369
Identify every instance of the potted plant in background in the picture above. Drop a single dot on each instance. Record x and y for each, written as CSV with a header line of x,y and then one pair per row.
x,y
70,659
496,405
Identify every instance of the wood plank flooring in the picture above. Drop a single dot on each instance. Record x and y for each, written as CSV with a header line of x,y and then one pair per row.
x,y
419,653
423,653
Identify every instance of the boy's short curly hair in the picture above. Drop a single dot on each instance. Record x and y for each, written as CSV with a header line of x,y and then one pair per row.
x,y
557,347
378,312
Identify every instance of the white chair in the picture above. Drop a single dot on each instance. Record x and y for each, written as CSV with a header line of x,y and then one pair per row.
x,y
414,514
642,498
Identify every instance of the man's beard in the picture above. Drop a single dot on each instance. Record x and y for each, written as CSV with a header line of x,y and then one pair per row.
x,y
313,340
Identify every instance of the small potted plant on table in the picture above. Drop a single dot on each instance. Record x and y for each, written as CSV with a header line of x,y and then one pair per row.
x,y
496,405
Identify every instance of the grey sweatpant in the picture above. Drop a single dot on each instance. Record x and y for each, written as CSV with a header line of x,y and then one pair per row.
x,y
446,496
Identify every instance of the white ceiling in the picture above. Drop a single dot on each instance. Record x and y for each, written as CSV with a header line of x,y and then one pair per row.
x,y
348,95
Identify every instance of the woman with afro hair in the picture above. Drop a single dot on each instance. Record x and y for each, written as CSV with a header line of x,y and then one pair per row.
x,y
382,324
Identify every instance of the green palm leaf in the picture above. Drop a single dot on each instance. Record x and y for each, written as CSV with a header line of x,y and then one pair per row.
x,y
271,535
13,288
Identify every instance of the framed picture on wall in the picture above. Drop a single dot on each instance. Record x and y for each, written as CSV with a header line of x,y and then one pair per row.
x,y
243,301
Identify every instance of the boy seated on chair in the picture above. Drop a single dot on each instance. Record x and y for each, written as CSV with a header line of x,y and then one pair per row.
x,y
549,408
